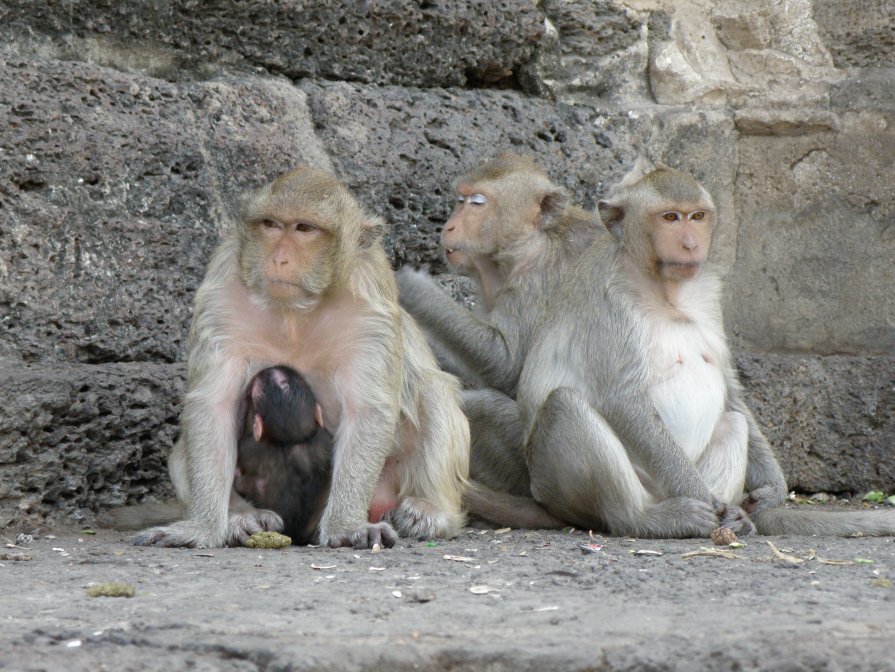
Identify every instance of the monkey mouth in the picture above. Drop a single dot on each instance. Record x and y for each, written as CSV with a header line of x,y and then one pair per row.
x,y
681,269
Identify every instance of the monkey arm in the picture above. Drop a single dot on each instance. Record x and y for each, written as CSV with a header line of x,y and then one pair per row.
x,y
765,483
493,351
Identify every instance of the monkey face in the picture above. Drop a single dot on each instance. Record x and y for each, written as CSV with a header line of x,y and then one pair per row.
x,y
469,230
680,237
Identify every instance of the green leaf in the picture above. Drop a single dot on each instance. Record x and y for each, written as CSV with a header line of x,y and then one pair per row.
x,y
890,500
87,530
863,561
875,496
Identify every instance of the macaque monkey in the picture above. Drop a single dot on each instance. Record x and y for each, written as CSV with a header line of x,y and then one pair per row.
x,y
515,234
632,411
284,455
303,281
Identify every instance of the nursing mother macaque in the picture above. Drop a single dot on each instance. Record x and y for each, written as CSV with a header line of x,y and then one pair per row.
x,y
634,415
514,233
303,281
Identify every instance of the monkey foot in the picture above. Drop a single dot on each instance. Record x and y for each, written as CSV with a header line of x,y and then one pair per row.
x,y
363,537
183,534
194,534
414,518
244,524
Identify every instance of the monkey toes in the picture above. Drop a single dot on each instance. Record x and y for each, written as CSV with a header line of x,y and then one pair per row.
x,y
413,518
364,537
246,523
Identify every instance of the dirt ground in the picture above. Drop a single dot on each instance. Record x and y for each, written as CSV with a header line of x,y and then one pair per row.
x,y
488,600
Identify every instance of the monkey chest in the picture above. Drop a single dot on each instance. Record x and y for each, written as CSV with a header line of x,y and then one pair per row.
x,y
687,385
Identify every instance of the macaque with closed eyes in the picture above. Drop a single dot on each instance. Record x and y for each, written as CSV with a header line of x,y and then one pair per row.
x,y
515,233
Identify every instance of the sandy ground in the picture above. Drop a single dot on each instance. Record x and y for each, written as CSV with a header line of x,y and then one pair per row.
x,y
488,600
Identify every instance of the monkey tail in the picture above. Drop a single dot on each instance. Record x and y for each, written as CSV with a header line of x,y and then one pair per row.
x,y
140,516
775,521
508,510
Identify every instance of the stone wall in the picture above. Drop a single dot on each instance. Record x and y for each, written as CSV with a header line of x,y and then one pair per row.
x,y
129,129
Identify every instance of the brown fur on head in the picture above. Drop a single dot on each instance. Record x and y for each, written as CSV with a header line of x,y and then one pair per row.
x,y
664,221
519,201
300,235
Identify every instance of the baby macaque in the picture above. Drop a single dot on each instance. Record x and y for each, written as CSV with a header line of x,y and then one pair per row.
x,y
284,455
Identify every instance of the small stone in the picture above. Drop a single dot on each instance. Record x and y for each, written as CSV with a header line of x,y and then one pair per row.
x,y
723,536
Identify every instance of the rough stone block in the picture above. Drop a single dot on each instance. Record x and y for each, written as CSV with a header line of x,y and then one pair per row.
x,y
830,420
114,189
814,269
79,438
461,43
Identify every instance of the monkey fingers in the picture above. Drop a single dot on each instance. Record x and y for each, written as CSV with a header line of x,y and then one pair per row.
x,y
364,537
736,519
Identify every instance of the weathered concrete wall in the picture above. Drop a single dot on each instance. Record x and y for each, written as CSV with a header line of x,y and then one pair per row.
x,y
128,129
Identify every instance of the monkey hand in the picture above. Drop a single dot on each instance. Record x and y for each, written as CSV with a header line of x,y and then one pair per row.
x,y
196,534
734,518
414,518
364,536
763,498
413,285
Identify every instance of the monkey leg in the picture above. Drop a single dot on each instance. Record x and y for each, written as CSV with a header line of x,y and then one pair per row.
x,y
496,456
434,471
723,468
581,472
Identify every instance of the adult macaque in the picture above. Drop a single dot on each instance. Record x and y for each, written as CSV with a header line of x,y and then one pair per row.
x,y
284,455
304,281
515,234
632,410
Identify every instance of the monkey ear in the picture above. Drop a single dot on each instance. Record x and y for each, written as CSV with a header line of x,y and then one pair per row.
x,y
257,427
611,214
553,205
372,230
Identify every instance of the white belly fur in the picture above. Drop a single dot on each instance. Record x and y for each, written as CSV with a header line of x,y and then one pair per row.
x,y
687,390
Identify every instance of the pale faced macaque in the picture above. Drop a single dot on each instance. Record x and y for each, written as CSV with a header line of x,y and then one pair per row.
x,y
633,413
303,281
284,455
515,234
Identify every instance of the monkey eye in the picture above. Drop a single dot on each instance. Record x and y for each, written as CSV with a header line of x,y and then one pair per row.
x,y
269,224
304,227
698,216
461,198
670,216
478,199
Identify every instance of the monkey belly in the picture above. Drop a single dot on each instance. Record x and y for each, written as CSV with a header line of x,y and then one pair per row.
x,y
688,389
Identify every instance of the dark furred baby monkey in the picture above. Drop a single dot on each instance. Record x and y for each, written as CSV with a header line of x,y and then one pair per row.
x,y
284,460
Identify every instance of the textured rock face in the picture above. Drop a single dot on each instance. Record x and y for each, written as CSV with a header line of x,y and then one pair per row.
x,y
130,130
